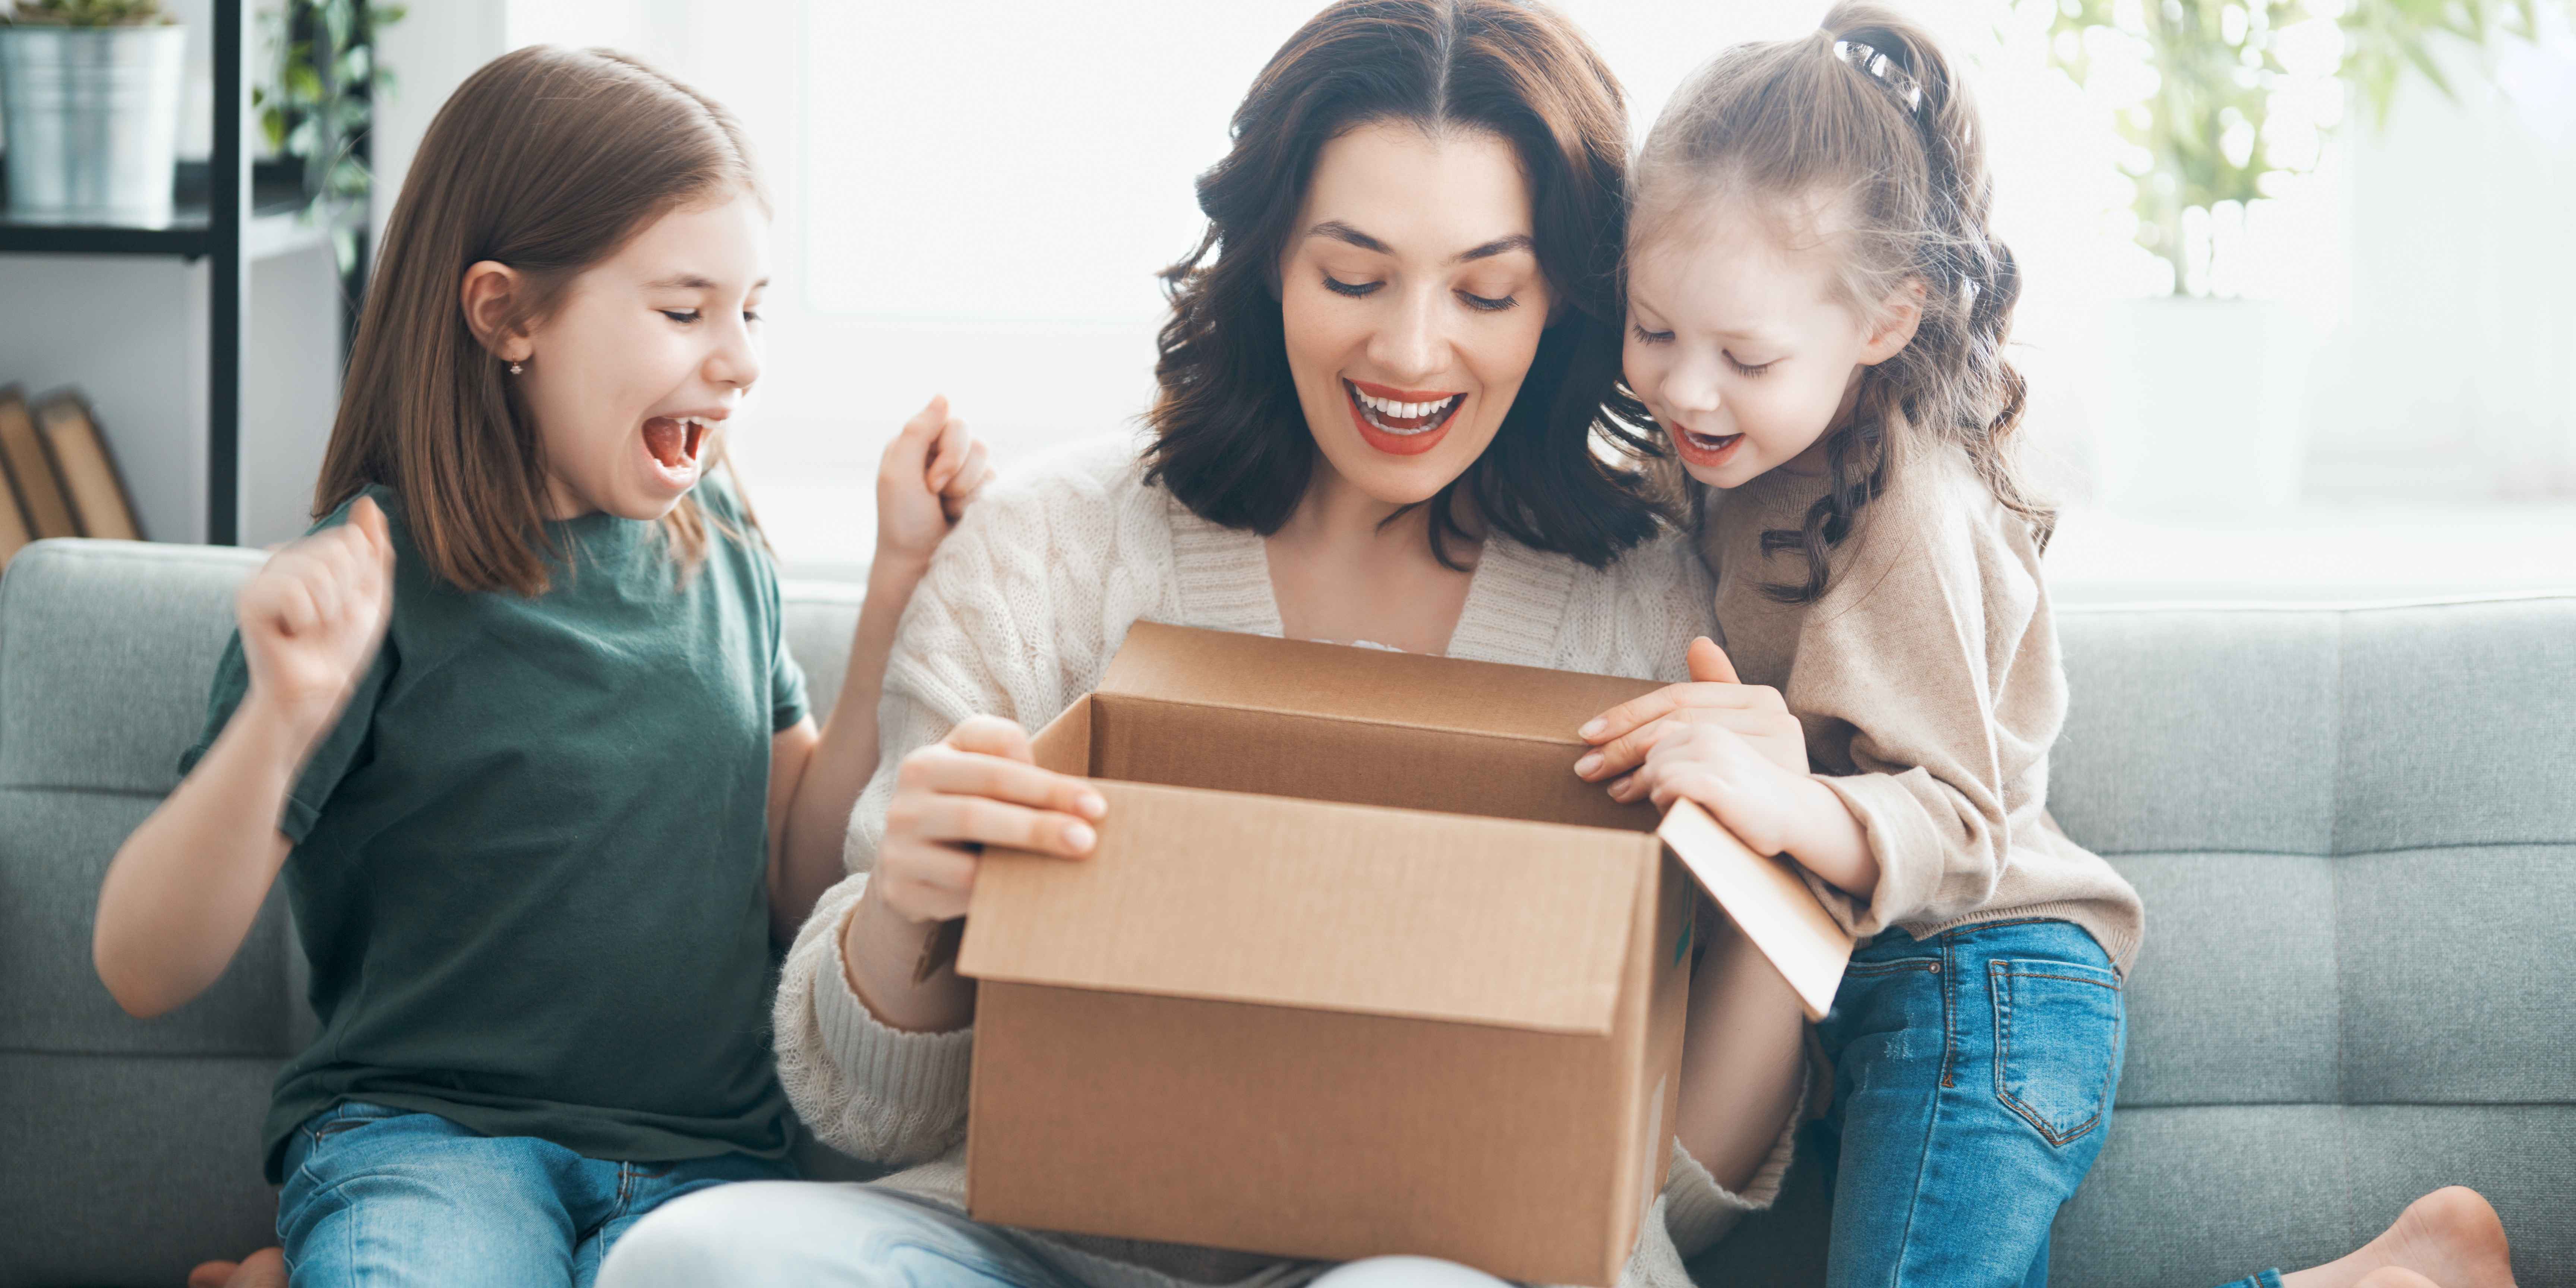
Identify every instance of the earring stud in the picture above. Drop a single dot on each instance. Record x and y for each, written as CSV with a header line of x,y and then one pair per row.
x,y
514,368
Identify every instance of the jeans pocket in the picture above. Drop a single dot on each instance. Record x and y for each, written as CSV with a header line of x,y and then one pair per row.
x,y
2057,1043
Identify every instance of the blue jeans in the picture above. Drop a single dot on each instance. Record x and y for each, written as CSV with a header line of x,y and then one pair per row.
x,y
378,1196
1974,1075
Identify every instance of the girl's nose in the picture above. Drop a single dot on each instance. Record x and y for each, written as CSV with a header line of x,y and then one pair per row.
x,y
736,362
1691,386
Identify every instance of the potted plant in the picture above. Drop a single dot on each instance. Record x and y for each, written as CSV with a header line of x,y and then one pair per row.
x,y
91,92
2208,386
316,103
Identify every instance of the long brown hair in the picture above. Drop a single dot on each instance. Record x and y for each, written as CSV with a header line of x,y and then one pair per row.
x,y
547,160
1230,439
1865,112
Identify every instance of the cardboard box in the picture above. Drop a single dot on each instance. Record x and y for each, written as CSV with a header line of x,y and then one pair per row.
x,y
1358,967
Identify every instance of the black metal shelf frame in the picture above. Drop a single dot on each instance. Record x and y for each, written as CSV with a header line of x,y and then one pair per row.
x,y
233,227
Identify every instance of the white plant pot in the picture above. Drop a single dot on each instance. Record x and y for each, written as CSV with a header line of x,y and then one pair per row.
x,y
2206,411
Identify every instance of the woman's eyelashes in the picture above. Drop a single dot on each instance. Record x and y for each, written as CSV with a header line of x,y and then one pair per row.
x,y
1480,303
1743,368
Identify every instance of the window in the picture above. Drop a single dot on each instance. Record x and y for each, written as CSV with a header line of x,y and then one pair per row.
x,y
974,198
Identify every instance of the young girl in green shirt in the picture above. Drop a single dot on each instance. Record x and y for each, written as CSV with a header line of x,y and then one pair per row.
x,y
517,720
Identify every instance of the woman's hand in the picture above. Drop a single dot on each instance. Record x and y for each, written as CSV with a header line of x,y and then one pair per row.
x,y
1714,697
925,480
974,788
312,618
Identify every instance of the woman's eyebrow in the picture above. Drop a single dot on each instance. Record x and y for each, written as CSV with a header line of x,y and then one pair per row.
x,y
1342,232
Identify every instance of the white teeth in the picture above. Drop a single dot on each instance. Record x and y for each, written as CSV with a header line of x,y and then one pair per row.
x,y
1400,410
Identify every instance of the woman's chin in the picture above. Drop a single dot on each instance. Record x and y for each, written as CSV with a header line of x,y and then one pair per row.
x,y
1400,480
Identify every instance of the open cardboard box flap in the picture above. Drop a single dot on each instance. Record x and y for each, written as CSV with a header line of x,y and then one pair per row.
x,y
1467,918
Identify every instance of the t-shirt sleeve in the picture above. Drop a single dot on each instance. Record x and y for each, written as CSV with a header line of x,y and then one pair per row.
x,y
339,751
787,701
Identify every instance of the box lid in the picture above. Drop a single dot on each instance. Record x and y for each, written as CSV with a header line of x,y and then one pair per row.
x,y
1181,664
1766,897
1283,902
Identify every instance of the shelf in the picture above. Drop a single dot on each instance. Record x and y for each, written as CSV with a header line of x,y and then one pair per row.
x,y
279,223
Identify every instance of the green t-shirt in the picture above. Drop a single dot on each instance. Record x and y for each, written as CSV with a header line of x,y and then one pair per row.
x,y
529,865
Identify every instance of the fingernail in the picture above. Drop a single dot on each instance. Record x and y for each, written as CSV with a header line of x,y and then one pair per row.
x,y
1091,805
1591,761
1592,730
1080,838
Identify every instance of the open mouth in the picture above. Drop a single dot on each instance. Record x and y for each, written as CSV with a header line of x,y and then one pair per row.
x,y
1705,449
1400,421
674,443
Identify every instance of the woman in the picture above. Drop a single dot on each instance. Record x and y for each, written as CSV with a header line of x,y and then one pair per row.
x,y
1382,384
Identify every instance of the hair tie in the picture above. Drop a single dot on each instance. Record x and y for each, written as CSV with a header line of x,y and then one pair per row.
x,y
1867,58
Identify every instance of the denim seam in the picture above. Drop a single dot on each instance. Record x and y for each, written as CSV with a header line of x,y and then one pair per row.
x,y
2071,979
1949,1014
1932,1121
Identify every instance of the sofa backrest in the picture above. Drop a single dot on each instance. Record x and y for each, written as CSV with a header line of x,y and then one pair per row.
x,y
2355,831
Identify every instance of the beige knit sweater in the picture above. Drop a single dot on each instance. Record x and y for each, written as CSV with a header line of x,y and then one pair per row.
x,y
1023,607
1928,680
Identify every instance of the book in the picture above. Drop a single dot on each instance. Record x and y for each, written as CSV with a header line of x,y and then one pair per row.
x,y
14,533
31,468
99,502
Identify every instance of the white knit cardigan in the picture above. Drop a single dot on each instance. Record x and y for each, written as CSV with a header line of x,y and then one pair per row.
x,y
1023,607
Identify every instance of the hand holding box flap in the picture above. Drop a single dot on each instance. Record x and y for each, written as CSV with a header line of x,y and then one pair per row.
x,y
1284,902
1767,899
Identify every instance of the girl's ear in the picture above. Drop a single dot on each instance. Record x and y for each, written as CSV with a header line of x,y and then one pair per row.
x,y
490,296
1898,316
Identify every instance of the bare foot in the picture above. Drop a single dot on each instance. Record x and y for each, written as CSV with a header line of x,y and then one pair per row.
x,y
2450,1236
265,1268
2393,1277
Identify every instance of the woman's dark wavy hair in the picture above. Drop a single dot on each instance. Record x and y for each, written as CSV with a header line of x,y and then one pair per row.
x,y
1230,439
1865,113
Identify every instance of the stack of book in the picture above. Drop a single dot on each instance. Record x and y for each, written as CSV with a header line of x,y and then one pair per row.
x,y
57,478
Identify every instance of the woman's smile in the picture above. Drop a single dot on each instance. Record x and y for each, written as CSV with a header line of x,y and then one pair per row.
x,y
1402,422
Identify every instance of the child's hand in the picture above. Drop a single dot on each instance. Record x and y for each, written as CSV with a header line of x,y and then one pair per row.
x,y
312,617
1767,806
1621,736
928,475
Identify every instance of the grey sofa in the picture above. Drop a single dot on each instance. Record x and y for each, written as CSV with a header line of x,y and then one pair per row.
x,y
2355,831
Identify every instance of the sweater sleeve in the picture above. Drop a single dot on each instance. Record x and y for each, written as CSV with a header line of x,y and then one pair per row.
x,y
1010,622
1935,653
870,1091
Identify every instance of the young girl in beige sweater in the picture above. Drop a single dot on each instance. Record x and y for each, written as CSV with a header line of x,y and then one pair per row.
x,y
1817,317
1817,312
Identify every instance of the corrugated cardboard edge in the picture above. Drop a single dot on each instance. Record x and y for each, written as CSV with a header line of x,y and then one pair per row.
x,y
1764,896
1140,672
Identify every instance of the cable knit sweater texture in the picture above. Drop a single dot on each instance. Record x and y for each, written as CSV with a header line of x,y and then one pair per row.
x,y
1023,608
